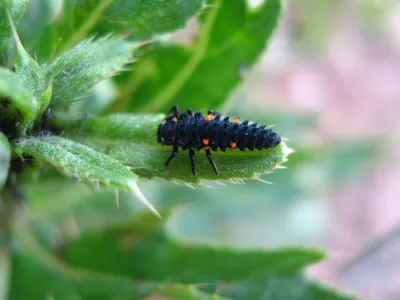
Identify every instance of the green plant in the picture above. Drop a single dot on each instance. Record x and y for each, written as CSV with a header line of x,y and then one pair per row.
x,y
106,94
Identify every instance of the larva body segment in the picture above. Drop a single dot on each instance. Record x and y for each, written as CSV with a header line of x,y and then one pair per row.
x,y
211,132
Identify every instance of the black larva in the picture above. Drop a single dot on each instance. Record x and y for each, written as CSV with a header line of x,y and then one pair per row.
x,y
196,131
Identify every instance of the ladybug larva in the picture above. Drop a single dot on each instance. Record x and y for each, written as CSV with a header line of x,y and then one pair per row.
x,y
196,131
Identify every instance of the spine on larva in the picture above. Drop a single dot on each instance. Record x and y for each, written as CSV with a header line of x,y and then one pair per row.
x,y
217,132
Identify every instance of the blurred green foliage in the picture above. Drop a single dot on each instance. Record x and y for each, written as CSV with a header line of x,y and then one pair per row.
x,y
90,238
4,159
191,76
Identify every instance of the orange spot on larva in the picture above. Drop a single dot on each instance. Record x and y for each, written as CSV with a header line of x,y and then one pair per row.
x,y
206,141
208,117
232,146
207,147
236,121
174,119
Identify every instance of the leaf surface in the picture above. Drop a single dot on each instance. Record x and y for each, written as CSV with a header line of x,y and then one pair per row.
x,y
81,162
75,72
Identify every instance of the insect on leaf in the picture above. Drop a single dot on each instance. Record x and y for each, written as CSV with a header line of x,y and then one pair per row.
x,y
132,139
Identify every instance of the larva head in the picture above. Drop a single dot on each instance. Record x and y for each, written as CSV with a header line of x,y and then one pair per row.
x,y
166,131
272,139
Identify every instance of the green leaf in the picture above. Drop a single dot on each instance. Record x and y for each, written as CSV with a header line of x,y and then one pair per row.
x,y
17,104
5,157
75,72
16,9
37,274
146,18
140,18
33,279
81,162
142,250
131,139
30,72
203,75
136,260
181,262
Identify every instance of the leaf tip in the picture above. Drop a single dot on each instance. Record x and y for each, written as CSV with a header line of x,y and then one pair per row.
x,y
286,150
135,189
13,29
262,180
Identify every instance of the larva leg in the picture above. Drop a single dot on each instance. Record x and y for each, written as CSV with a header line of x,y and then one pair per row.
x,y
212,161
192,162
173,154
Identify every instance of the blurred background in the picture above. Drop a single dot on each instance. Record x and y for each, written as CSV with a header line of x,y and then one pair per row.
x,y
330,83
